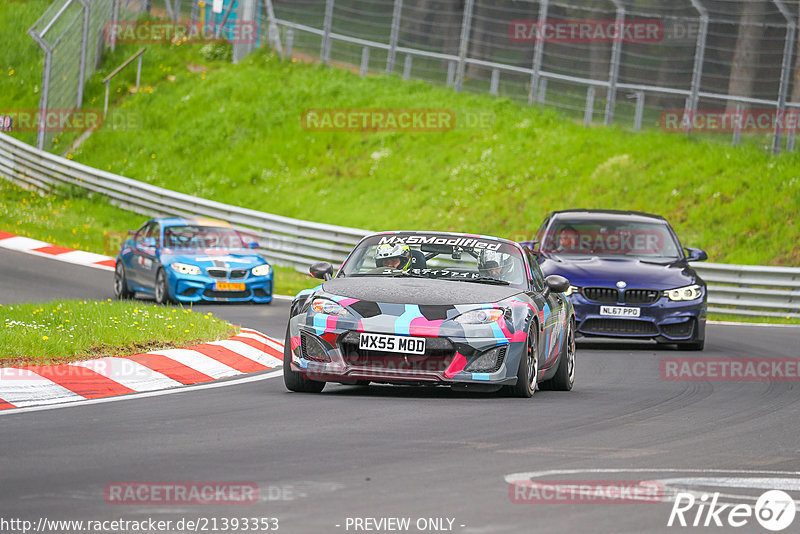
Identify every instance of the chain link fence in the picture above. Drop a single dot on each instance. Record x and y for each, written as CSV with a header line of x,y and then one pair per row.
x,y
701,66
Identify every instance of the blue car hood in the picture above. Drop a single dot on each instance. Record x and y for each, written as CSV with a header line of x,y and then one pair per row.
x,y
606,272
212,258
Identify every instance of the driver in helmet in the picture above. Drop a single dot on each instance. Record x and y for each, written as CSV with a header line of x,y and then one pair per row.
x,y
494,264
393,256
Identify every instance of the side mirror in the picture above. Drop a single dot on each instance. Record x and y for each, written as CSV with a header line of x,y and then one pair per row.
x,y
131,232
149,242
530,245
251,243
322,270
556,283
695,254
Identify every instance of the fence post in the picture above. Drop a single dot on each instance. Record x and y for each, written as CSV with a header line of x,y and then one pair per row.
x,y
84,46
538,50
788,49
289,42
364,61
588,113
195,14
177,10
495,84
616,54
451,73
114,22
393,36
407,67
274,36
466,26
542,91
637,116
326,32
44,98
737,124
699,59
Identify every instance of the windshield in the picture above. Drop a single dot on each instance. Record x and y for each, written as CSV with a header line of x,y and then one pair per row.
x,y
440,256
611,238
201,237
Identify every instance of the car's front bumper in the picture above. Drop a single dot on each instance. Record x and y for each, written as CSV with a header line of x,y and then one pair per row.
x,y
664,320
197,288
333,355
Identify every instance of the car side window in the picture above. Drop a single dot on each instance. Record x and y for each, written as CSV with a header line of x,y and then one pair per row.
x,y
152,231
538,277
141,233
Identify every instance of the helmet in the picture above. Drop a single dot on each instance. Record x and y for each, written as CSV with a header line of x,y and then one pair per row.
x,y
494,264
387,252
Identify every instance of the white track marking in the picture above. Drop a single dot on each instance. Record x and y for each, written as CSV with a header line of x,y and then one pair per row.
x,y
252,353
198,362
22,387
133,396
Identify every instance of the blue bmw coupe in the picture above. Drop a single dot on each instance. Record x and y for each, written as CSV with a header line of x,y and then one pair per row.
x,y
180,259
629,275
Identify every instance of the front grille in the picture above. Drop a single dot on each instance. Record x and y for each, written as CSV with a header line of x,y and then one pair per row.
x,y
214,294
603,295
216,272
618,326
439,352
499,354
683,329
641,296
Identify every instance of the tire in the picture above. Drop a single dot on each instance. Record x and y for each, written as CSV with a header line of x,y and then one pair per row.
x,y
564,378
528,370
121,291
161,289
294,380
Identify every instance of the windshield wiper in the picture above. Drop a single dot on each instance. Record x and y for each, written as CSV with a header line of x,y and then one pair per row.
x,y
480,280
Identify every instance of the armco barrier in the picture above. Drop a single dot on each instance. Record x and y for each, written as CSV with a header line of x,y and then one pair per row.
x,y
734,289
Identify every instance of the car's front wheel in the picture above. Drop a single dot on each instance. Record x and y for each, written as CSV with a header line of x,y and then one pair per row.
x,y
294,380
121,291
528,371
162,288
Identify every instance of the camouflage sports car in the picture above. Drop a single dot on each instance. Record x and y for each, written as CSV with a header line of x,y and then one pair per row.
x,y
430,308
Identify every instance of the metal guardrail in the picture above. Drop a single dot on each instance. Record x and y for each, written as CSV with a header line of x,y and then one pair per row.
x,y
733,289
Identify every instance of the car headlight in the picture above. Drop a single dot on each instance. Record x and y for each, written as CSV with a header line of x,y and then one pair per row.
x,y
684,293
571,290
261,270
182,268
328,307
480,316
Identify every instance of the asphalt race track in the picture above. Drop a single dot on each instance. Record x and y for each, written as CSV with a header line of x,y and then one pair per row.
x,y
390,452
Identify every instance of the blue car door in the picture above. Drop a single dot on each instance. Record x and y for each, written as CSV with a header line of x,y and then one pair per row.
x,y
144,264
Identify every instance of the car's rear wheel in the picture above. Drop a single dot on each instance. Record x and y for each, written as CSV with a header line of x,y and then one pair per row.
x,y
564,378
528,371
294,380
121,291
162,288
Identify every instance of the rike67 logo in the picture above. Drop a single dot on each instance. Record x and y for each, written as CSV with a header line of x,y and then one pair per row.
x,y
774,510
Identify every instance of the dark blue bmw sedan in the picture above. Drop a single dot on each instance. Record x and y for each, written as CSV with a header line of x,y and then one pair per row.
x,y
629,275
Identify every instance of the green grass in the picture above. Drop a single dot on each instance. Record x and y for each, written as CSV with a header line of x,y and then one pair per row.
x,y
70,330
234,135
